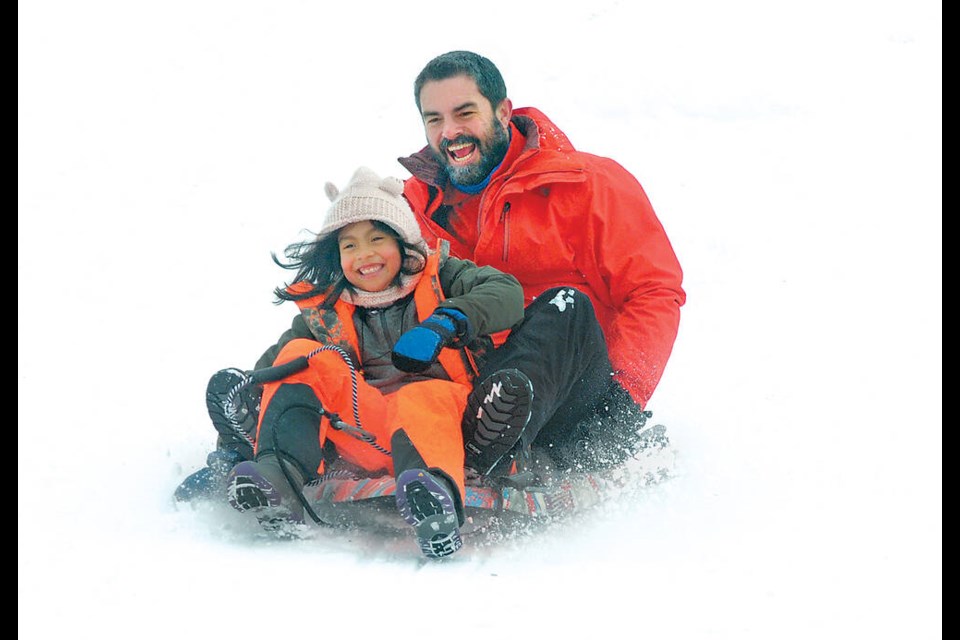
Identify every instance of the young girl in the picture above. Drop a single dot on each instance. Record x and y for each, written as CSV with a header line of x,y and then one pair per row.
x,y
391,332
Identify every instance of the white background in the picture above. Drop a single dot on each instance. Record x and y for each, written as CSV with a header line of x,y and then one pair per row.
x,y
792,151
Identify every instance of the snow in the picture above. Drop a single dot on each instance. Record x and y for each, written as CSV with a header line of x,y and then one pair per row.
x,y
791,150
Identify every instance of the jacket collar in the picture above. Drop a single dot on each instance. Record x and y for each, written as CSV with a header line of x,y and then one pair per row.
x,y
536,131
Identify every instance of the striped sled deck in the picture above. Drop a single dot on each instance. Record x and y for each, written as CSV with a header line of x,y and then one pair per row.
x,y
365,502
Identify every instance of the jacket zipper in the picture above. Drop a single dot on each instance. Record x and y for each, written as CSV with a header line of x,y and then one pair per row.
x,y
505,221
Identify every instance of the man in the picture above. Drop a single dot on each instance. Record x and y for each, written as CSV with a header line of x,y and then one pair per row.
x,y
507,189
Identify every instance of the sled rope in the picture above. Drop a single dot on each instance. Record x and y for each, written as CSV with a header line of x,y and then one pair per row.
x,y
355,430
231,406
231,409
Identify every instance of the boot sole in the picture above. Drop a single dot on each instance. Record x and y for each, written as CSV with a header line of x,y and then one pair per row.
x,y
249,492
500,408
426,505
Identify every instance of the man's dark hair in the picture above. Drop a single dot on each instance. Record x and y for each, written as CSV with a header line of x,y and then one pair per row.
x,y
464,63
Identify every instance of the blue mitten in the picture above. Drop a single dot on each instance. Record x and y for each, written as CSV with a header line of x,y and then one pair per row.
x,y
419,347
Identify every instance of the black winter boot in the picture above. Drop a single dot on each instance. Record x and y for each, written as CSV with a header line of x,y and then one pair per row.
x,y
211,480
262,488
498,410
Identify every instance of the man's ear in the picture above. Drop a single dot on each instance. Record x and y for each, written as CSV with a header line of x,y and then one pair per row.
x,y
504,112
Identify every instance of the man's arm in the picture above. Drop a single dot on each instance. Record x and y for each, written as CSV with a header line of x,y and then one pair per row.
x,y
631,256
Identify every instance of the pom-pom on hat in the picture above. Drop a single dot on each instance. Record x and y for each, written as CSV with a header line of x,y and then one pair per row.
x,y
369,197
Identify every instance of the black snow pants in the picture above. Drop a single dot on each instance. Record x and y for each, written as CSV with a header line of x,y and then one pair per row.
x,y
581,417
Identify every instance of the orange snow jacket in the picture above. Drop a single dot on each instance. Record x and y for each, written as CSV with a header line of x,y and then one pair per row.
x,y
554,216
336,324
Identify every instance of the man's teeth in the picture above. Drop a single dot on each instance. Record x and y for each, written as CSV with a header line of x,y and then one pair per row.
x,y
460,151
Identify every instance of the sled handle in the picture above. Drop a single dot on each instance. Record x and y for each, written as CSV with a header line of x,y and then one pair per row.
x,y
280,371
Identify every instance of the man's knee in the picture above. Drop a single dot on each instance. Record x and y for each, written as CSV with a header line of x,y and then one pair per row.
x,y
567,306
567,314
565,299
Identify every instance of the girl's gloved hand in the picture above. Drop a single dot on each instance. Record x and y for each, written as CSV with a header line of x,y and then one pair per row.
x,y
419,347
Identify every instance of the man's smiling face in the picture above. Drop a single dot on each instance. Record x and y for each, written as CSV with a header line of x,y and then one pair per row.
x,y
467,135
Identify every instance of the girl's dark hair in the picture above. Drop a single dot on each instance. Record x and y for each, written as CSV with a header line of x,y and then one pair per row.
x,y
317,262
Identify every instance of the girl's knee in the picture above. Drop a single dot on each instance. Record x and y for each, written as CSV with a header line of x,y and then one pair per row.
x,y
295,349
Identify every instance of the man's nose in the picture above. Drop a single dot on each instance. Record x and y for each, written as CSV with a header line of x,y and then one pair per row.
x,y
452,131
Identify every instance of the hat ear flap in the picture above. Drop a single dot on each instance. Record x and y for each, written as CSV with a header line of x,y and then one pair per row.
x,y
331,190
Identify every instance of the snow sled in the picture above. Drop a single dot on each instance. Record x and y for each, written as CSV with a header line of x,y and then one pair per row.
x,y
536,495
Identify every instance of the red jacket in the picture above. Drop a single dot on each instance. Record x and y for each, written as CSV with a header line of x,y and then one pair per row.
x,y
560,217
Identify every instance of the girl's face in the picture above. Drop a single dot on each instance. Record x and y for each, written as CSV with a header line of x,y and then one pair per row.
x,y
370,258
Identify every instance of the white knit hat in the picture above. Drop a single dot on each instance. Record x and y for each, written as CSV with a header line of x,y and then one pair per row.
x,y
369,197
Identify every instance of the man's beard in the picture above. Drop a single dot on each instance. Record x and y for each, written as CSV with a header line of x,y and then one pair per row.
x,y
492,150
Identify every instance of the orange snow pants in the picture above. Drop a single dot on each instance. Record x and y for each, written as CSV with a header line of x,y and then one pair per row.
x,y
430,412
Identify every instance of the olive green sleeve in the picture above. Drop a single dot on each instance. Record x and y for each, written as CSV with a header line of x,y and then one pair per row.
x,y
491,299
